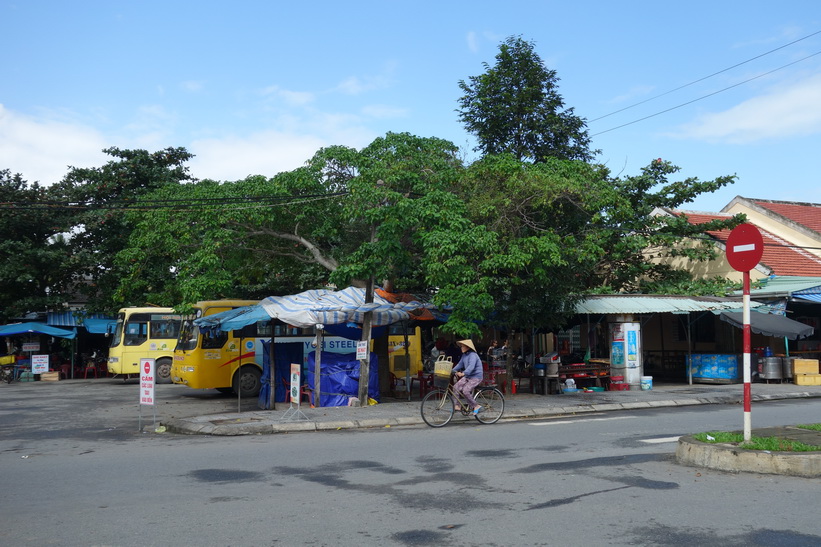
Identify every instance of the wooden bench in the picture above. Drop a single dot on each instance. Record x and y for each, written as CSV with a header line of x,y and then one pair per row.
x,y
595,370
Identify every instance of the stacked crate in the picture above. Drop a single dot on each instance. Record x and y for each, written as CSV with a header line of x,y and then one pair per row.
x,y
807,372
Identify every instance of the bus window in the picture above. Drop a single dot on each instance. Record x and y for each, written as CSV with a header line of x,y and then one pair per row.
x,y
136,332
165,327
211,340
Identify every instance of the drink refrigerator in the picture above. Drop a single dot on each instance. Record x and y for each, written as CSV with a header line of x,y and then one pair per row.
x,y
625,352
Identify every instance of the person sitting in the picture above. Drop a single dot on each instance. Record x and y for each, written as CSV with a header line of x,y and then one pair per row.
x,y
470,374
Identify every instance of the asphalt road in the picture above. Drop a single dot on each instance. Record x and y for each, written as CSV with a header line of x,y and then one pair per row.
x,y
76,471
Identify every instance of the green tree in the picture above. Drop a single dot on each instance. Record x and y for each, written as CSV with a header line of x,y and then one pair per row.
x,y
33,252
515,107
639,233
346,216
98,230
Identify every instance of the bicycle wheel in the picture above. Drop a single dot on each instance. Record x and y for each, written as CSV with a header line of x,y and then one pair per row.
x,y
493,405
437,408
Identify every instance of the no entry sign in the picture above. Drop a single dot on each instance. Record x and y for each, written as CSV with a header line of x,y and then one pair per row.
x,y
147,381
745,246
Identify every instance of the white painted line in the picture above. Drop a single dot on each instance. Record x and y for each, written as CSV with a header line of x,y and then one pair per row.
x,y
661,440
742,248
559,422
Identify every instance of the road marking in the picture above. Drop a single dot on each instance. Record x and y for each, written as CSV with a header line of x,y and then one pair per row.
x,y
558,422
661,440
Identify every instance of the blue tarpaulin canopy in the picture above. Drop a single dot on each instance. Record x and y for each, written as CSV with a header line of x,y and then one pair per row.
x,y
35,328
314,307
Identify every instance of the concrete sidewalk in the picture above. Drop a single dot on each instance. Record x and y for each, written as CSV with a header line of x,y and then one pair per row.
x,y
401,412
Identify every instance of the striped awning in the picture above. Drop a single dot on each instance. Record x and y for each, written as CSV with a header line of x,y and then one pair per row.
x,y
316,307
97,323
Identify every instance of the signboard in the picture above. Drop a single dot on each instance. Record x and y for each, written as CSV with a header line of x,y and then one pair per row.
x,y
362,350
147,381
295,382
745,246
39,364
28,347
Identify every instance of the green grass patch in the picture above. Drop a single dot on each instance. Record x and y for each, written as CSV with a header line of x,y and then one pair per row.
x,y
773,444
813,427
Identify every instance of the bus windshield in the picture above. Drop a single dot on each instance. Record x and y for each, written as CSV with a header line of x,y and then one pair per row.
x,y
118,331
189,334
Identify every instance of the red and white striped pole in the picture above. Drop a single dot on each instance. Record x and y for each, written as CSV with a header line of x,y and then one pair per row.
x,y
747,359
745,247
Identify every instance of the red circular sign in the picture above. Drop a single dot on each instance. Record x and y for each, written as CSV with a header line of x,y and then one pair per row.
x,y
745,246
147,367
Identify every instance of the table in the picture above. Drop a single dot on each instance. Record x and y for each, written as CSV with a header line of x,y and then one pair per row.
x,y
592,371
541,385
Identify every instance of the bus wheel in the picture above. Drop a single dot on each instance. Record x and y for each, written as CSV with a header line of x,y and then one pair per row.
x,y
163,371
249,381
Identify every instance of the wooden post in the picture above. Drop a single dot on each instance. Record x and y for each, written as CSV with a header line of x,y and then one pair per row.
x,y
317,368
364,364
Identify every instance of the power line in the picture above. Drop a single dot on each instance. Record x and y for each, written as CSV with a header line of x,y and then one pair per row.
x,y
705,77
705,96
245,202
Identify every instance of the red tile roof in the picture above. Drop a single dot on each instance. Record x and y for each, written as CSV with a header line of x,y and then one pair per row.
x,y
779,255
806,214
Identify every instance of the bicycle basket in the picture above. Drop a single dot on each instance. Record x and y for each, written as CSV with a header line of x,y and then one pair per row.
x,y
443,366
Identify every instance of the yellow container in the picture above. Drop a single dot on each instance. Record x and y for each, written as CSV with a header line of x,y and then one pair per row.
x,y
808,379
805,366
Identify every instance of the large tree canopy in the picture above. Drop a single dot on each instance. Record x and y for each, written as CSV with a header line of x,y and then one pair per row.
x,y
345,216
515,107
33,253
97,228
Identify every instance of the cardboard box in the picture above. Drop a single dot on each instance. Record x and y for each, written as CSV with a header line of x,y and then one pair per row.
x,y
808,379
50,377
805,366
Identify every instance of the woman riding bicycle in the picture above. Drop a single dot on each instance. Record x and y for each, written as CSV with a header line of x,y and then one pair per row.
x,y
469,374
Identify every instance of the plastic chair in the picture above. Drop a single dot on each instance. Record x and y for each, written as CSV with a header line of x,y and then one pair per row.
x,y
92,369
65,372
396,382
425,383
304,391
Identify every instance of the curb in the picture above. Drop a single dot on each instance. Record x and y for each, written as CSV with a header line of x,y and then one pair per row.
x,y
728,457
223,425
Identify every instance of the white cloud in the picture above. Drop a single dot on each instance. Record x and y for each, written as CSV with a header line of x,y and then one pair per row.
x,y
381,111
355,85
192,86
786,112
43,149
291,98
473,42
265,153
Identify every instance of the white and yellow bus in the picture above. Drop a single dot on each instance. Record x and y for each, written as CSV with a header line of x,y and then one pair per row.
x,y
143,333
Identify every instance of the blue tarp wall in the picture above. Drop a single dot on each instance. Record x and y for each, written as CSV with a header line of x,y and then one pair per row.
x,y
284,355
339,378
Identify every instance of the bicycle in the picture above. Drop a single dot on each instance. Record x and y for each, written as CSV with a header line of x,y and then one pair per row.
x,y
439,406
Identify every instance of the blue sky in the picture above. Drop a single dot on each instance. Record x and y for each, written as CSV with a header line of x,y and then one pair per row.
x,y
253,87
